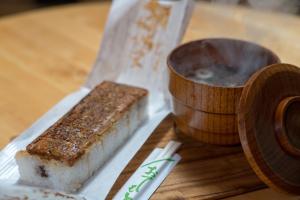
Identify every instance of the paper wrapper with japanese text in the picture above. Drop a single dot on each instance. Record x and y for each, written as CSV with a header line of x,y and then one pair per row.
x,y
138,36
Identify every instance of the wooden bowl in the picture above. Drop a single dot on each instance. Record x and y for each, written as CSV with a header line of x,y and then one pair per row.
x,y
206,79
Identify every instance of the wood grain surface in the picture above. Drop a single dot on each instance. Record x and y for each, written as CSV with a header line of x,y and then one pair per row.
x,y
205,171
46,54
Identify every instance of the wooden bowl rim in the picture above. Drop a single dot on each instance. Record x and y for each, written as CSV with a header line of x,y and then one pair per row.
x,y
172,70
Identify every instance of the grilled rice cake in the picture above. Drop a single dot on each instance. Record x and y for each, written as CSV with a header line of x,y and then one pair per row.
x,y
72,149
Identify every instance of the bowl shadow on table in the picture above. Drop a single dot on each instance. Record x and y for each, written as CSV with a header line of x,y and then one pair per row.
x,y
204,172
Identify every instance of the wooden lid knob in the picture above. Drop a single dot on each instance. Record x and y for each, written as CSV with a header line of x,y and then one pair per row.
x,y
287,125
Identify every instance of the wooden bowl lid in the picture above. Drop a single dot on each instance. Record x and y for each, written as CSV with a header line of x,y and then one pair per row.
x,y
269,125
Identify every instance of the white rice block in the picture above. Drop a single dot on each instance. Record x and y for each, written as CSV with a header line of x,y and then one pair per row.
x,y
57,175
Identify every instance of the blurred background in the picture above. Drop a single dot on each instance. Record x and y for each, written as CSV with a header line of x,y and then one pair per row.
x,y
8,7
15,6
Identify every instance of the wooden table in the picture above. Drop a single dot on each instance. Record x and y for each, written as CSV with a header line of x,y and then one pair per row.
x,y
47,54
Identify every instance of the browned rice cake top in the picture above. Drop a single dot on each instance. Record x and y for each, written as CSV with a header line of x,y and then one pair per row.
x,y
69,138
